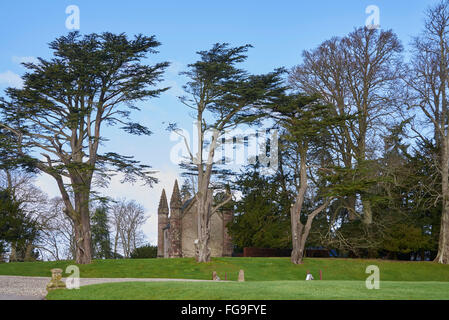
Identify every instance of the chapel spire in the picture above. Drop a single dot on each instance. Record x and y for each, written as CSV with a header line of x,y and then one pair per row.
x,y
175,201
163,204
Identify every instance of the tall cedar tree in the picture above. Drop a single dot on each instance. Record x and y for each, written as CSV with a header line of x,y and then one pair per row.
x,y
306,123
223,96
57,117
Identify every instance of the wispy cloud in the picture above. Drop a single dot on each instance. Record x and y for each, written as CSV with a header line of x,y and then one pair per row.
x,y
11,79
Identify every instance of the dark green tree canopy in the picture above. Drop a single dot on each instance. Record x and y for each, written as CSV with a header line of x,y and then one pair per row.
x,y
15,225
262,217
229,94
58,116
101,240
92,80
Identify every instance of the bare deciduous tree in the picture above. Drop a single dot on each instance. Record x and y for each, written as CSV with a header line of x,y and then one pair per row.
x,y
57,237
428,80
127,219
358,75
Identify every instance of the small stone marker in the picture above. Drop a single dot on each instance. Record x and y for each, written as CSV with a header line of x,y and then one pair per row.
x,y
241,276
56,282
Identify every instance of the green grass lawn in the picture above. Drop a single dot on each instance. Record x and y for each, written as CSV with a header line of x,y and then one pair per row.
x,y
256,269
266,278
256,290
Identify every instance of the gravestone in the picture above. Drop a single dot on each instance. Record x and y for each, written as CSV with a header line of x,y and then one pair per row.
x,y
241,276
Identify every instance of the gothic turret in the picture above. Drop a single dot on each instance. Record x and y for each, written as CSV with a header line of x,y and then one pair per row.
x,y
162,218
175,223
163,204
175,201
178,226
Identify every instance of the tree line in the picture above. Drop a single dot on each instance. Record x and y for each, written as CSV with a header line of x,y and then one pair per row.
x,y
34,226
363,144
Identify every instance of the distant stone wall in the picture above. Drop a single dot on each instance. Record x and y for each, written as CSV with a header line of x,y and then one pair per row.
x,y
228,248
216,235
266,252
273,252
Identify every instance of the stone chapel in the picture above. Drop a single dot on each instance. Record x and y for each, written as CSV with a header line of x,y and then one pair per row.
x,y
178,228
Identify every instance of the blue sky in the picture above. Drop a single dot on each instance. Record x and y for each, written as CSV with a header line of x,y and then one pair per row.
x,y
278,30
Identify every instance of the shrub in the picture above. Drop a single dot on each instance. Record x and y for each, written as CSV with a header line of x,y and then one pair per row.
x,y
144,252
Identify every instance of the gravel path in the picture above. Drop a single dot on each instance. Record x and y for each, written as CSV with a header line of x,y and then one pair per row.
x,y
29,288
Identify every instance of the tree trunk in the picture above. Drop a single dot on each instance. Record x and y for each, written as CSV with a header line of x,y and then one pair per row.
x,y
443,245
79,215
117,227
13,255
205,195
83,254
9,181
367,212
300,232
297,244
295,213
204,207
29,252
203,254
350,203
83,251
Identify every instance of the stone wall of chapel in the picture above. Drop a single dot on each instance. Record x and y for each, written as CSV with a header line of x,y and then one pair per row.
x,y
190,233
